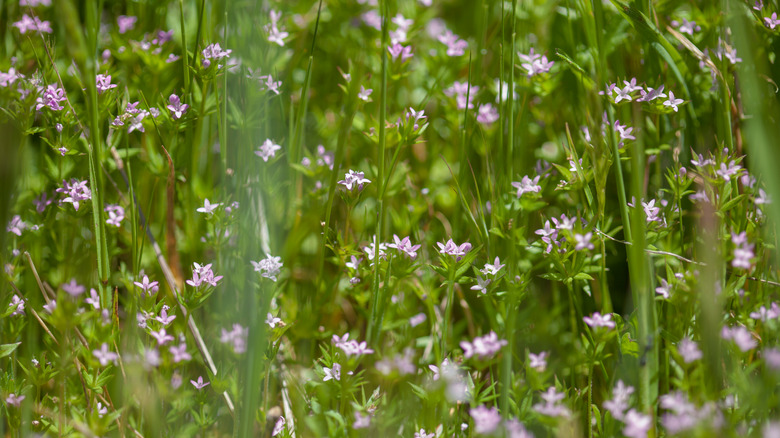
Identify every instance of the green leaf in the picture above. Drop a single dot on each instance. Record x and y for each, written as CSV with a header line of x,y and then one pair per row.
x,y
7,349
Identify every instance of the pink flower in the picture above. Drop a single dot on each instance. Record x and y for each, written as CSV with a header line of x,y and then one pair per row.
x,y
267,150
397,50
404,246
487,115
175,106
484,347
125,23
199,384
104,355
597,320
147,286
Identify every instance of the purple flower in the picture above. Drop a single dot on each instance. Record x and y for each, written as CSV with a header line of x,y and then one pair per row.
x,y
199,384
14,400
354,179
486,420
176,108
208,207
125,23
597,320
397,50
213,51
651,94
583,241
32,24
418,319
741,336
73,289
487,114
364,93
115,214
103,83
492,269
527,185
361,421
104,355
267,150
404,246
689,350
619,403
41,202
672,102
538,361
663,289
484,347
273,321
179,352
270,84
203,274
535,64
269,267
18,305
237,336
332,373
453,249
16,225
455,45
93,299
75,191
423,434
161,336
481,285
552,406
51,98
164,318
772,22
637,424
147,287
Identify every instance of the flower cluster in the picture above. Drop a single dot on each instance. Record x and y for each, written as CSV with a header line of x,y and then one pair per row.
x,y
269,267
203,275
74,191
213,52
484,347
534,63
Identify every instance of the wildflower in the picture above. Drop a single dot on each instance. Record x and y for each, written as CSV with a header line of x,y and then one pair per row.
x,y
552,406
484,347
583,241
515,429
176,380
486,420
417,116
103,83
16,225
672,102
237,336
41,202
623,94
364,93
596,320
688,27
371,251
527,185
741,336
50,306
125,23
423,434
101,410
726,171
14,400
147,287
213,51
404,246
18,305
272,321
772,22
487,114
772,358
203,274
93,299
354,263
332,373
136,122
116,214
538,361
455,45
549,235
663,289
267,150
765,314
637,424
453,249
208,207
199,384
651,94
354,179
175,106
51,98
32,24
354,348
689,350
651,211
161,336
73,289
164,318
492,269
535,63
372,19
104,355
418,319
743,252
269,267
481,285
275,33
396,50
361,421
172,58
618,405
